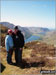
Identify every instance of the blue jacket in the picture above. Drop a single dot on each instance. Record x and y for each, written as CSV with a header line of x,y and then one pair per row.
x,y
8,42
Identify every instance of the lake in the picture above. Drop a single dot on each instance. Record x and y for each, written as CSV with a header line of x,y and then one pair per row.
x,y
32,38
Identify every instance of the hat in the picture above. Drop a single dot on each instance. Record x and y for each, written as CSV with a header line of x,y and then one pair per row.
x,y
10,31
16,27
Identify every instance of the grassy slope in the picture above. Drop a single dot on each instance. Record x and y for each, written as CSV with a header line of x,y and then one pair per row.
x,y
50,38
35,57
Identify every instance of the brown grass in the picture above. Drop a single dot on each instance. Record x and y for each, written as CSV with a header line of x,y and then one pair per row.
x,y
33,59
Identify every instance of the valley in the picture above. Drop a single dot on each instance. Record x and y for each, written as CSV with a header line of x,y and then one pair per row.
x,y
38,53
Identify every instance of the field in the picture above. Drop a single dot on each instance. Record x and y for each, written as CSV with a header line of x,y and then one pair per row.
x,y
37,56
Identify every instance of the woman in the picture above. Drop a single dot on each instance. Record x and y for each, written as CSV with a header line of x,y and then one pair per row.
x,y
9,46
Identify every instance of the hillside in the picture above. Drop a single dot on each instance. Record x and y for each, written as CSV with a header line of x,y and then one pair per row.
x,y
25,31
3,34
28,31
38,30
7,24
37,56
50,37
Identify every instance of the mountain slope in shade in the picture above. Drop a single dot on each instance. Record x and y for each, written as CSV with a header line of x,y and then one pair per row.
x,y
4,30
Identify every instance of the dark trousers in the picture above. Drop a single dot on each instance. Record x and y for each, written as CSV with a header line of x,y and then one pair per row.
x,y
18,55
9,56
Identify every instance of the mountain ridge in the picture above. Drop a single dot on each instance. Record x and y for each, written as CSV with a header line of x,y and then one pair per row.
x,y
28,31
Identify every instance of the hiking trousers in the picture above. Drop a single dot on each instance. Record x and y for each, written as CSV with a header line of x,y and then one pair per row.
x,y
9,56
18,55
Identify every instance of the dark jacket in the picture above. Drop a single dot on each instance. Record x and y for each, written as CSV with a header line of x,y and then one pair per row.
x,y
18,39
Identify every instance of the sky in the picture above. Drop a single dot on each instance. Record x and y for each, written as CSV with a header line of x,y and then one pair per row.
x,y
28,13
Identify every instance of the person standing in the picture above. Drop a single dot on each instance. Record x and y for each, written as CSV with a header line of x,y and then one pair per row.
x,y
18,39
9,46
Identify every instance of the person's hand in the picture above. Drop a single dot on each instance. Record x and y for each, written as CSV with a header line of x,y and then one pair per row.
x,y
21,48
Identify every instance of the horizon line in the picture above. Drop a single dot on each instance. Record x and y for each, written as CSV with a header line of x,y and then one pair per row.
x,y
27,26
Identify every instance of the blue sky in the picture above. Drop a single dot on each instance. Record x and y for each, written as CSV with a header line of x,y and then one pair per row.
x,y
38,13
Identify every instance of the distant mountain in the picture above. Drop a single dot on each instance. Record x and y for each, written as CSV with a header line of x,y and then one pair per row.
x,y
37,30
28,31
31,34
24,30
7,24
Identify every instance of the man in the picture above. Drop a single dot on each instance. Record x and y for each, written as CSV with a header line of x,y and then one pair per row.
x,y
18,39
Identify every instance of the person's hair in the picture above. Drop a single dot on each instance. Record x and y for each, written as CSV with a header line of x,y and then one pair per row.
x,y
15,27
